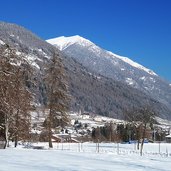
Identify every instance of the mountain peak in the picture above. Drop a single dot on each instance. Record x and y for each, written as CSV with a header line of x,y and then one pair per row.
x,y
63,42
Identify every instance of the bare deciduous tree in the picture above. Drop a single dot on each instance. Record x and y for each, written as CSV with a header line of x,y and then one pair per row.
x,y
15,97
141,117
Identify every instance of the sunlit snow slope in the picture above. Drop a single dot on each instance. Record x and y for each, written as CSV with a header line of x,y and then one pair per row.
x,y
117,67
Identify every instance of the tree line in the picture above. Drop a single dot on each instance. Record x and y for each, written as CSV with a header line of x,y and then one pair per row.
x,y
138,126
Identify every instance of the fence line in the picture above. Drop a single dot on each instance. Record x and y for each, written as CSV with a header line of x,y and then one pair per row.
x,y
115,148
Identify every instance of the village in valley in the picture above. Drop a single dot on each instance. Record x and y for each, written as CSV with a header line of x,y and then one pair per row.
x,y
90,127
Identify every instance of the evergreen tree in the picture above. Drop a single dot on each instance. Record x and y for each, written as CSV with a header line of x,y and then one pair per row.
x,y
57,93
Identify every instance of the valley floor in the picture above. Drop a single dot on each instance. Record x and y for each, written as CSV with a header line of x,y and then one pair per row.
x,y
74,157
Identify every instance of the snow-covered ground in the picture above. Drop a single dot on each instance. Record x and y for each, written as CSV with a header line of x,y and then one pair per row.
x,y
85,157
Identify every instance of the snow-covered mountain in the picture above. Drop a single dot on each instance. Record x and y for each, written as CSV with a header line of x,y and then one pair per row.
x,y
64,42
90,90
114,66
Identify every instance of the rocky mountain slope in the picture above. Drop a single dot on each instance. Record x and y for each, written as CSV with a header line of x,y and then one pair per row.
x,y
90,91
114,66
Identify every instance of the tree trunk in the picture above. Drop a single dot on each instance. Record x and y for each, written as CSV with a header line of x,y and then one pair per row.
x,y
138,138
16,141
50,130
50,139
143,137
138,144
6,133
16,132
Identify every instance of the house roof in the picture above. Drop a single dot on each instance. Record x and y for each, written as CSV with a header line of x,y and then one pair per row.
x,y
168,136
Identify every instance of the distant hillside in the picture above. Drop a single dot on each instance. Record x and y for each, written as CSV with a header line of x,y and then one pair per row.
x,y
95,93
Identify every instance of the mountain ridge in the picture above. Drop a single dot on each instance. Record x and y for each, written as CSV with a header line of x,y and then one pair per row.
x,y
118,68
63,42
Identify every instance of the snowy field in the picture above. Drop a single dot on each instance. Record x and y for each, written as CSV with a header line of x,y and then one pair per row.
x,y
85,157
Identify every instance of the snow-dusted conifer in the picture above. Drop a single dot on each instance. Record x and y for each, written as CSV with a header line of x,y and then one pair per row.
x,y
57,93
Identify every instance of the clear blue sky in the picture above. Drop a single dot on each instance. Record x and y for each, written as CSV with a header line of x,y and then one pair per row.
x,y
138,29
